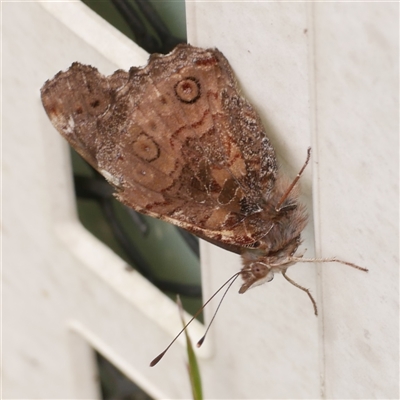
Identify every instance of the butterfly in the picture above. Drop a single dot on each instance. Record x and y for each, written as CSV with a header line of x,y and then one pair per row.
x,y
179,142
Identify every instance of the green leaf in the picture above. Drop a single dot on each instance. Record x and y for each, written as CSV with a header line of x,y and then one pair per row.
x,y
193,366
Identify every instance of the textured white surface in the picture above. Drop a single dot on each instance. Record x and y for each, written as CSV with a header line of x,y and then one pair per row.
x,y
357,77
319,74
324,75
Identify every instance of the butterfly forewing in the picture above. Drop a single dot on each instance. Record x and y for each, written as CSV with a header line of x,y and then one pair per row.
x,y
175,138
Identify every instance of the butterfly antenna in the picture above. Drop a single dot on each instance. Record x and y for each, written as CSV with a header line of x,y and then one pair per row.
x,y
295,180
198,312
200,342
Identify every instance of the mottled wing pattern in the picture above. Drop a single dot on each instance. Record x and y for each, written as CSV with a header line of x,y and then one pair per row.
x,y
175,138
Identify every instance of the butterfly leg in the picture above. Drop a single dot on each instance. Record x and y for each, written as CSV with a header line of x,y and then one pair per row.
x,y
290,188
303,289
300,258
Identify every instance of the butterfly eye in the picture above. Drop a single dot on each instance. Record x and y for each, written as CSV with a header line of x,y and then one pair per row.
x,y
260,270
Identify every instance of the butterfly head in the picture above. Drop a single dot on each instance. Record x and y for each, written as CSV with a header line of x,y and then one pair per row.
x,y
259,265
255,274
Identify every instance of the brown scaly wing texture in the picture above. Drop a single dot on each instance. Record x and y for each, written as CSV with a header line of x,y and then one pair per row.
x,y
176,140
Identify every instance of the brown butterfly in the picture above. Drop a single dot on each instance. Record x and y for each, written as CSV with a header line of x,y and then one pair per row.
x,y
179,143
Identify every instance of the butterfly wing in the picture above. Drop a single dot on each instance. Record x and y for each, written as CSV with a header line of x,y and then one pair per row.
x,y
176,140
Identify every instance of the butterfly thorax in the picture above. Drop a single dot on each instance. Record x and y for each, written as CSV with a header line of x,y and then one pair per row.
x,y
283,227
